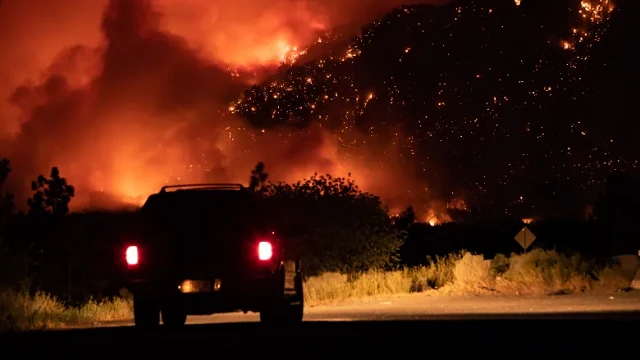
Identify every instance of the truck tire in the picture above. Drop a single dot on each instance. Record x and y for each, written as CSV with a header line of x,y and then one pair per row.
x,y
146,312
174,314
281,314
283,311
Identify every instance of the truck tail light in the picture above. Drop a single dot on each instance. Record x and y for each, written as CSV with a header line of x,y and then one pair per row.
x,y
265,250
131,255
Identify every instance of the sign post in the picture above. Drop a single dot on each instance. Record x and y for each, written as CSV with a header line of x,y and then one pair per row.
x,y
525,238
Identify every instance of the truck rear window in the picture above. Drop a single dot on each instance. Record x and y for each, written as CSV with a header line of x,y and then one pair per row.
x,y
213,205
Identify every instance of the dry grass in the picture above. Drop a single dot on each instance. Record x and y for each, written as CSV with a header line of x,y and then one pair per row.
x,y
333,287
538,272
21,311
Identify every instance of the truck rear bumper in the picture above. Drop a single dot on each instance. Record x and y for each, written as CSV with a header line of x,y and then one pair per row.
x,y
203,297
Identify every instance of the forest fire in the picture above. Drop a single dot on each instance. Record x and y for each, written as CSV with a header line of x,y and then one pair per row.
x,y
246,33
127,96
120,126
433,221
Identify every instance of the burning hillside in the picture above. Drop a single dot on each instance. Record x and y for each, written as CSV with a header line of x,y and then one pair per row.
x,y
127,96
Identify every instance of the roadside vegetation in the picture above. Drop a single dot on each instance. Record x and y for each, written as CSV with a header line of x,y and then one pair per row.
x,y
538,272
22,310
350,245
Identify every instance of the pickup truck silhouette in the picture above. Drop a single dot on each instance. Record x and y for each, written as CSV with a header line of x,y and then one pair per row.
x,y
208,248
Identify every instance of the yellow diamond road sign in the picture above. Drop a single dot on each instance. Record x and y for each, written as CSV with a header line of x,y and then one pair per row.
x,y
525,238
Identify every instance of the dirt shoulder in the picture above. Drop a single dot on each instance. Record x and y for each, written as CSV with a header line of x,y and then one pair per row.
x,y
488,304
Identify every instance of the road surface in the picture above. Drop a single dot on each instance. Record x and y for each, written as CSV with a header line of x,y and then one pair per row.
x,y
413,323
423,307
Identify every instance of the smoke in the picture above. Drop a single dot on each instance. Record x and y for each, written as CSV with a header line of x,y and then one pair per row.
x,y
220,31
126,96
32,34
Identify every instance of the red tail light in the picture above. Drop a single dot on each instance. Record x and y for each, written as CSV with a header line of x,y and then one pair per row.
x,y
132,255
265,250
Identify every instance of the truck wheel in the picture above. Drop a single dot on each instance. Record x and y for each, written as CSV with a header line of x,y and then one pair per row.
x,y
281,314
285,312
174,314
296,307
146,312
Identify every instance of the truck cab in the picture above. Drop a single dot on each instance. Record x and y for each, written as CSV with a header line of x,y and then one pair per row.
x,y
209,248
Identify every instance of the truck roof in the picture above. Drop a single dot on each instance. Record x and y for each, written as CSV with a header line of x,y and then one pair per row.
x,y
199,196
200,187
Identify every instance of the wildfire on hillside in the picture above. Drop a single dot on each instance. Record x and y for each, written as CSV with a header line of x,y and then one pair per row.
x,y
120,126
125,96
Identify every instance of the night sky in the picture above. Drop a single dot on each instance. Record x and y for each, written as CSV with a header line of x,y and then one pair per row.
x,y
514,107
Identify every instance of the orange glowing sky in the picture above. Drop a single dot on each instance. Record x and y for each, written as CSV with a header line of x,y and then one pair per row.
x,y
124,96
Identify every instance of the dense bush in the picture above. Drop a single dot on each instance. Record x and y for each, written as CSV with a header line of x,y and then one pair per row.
x,y
334,225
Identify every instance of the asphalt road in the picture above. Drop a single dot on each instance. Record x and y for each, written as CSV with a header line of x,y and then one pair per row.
x,y
416,323
422,307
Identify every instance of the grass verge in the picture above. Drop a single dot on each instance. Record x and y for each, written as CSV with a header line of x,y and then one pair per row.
x,y
21,311
537,272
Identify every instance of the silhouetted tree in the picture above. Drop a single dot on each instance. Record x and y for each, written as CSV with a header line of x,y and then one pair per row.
x,y
6,199
52,196
49,238
405,219
333,225
5,170
258,179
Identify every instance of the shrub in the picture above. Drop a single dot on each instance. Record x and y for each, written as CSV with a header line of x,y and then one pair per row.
x,y
334,225
543,272
22,311
472,272
538,272
440,271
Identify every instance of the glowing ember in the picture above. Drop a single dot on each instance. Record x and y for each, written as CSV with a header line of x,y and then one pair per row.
x,y
113,120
